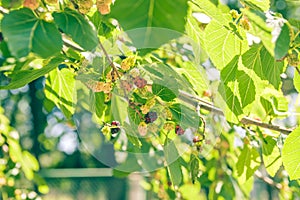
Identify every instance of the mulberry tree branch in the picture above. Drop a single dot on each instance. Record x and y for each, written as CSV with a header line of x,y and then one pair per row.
x,y
3,10
268,180
194,100
109,59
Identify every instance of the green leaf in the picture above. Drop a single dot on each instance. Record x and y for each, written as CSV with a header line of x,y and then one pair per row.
x,y
197,35
25,33
98,103
30,161
131,131
16,154
295,23
283,42
134,115
276,100
223,42
230,95
268,106
165,75
264,64
194,167
77,27
247,185
15,151
46,39
173,164
104,28
246,88
147,14
134,140
259,28
297,81
139,99
228,190
118,108
232,102
212,11
280,101
139,13
246,85
185,116
248,162
189,191
196,75
23,77
271,155
163,92
262,5
11,3
291,154
60,89
228,73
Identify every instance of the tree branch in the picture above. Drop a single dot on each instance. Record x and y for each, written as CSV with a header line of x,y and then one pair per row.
x,y
194,100
109,59
3,10
70,44
267,180
247,121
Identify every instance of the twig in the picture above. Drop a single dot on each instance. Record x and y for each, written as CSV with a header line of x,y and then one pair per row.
x,y
267,180
202,118
194,100
114,68
247,121
191,99
70,44
281,59
109,59
3,10
298,70
206,105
